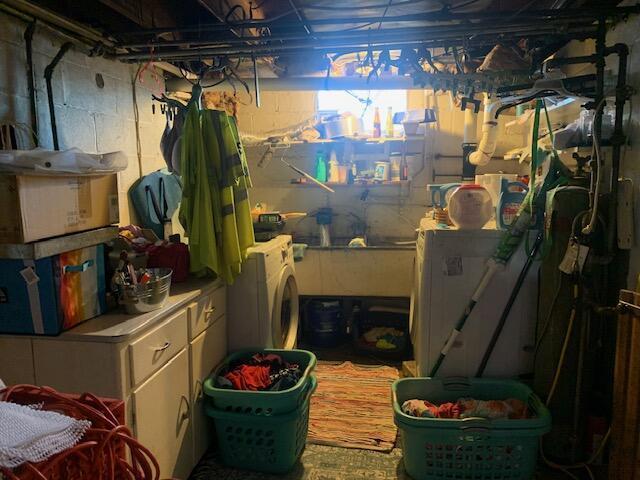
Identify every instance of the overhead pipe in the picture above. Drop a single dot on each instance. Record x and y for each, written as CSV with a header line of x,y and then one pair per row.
x,y
356,36
542,15
28,41
325,46
48,73
52,19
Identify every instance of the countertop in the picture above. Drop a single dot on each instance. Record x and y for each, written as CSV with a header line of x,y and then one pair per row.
x,y
117,326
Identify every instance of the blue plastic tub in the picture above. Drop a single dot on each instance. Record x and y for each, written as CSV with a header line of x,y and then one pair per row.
x,y
271,444
472,448
262,403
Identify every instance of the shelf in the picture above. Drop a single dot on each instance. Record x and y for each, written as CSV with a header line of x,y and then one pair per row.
x,y
363,140
400,183
57,245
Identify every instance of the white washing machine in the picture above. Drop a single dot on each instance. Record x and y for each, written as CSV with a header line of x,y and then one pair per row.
x,y
263,301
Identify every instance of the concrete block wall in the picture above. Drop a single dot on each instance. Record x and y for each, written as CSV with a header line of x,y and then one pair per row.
x,y
96,120
278,110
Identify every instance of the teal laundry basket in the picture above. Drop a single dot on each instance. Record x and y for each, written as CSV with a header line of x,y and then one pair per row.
x,y
472,448
270,444
261,403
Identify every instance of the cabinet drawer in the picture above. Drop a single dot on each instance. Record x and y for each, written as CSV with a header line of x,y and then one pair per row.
x,y
155,348
207,310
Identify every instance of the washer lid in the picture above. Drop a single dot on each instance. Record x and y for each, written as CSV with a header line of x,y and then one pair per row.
x,y
286,310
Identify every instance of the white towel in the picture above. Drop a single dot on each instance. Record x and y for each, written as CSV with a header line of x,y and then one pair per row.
x,y
29,435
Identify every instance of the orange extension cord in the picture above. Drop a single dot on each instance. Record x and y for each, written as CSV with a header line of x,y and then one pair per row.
x,y
102,452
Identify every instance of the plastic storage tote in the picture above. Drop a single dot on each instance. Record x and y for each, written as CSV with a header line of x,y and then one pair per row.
x,y
269,444
472,448
263,403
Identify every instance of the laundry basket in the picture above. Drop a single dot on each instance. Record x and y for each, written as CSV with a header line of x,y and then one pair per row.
x,y
472,448
262,403
270,444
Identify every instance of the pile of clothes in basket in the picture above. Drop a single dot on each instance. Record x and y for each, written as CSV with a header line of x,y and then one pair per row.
x,y
260,372
511,408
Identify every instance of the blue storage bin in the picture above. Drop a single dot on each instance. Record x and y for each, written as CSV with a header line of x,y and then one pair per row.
x,y
47,296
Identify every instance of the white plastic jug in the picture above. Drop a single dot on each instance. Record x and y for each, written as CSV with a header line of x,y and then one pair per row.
x,y
470,207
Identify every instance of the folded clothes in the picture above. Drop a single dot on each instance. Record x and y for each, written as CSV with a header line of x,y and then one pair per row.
x,y
511,408
260,372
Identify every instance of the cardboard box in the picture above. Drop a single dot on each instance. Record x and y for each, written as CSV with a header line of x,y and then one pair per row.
x,y
34,207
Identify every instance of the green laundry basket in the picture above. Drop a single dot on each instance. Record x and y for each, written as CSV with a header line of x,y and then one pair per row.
x,y
270,444
262,403
472,448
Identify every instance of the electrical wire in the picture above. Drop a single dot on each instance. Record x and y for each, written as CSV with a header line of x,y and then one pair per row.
x,y
595,151
317,6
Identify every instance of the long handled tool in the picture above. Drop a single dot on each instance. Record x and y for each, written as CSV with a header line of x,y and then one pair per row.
x,y
306,175
507,309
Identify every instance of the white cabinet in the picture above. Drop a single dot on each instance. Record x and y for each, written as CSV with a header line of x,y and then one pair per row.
x,y
162,415
156,362
207,350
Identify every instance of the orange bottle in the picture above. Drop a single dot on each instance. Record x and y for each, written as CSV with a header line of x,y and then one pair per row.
x,y
377,130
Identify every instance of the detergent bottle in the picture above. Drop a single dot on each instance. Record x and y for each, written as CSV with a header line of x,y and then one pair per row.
x,y
440,194
511,197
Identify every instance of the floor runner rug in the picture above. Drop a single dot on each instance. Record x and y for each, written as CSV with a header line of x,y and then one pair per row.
x,y
352,407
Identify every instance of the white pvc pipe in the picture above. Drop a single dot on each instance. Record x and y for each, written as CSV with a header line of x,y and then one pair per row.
x,y
489,140
470,126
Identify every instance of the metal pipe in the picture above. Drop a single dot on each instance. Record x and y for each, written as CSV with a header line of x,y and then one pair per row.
x,y
335,47
617,139
309,83
356,36
58,21
543,15
28,40
48,73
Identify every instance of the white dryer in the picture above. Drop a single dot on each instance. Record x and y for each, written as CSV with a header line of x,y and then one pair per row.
x,y
449,265
263,301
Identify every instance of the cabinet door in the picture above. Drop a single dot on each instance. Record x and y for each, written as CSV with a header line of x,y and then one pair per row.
x,y
207,351
162,417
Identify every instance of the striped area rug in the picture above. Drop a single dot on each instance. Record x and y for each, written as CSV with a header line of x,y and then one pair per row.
x,y
352,407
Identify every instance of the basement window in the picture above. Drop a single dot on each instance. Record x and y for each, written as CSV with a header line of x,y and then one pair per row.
x,y
362,103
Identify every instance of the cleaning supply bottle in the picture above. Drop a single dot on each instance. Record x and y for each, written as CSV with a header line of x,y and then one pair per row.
x,y
334,171
511,197
321,166
377,130
388,124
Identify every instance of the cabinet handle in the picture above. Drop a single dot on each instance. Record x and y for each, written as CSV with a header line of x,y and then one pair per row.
x,y
163,347
209,311
187,413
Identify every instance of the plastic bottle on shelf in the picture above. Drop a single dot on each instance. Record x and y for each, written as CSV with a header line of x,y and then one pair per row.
x,y
334,171
321,166
388,124
377,130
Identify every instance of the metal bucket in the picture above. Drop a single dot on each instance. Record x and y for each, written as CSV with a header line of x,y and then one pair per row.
x,y
143,298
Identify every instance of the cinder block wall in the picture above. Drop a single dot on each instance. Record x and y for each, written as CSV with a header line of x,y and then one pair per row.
x,y
96,120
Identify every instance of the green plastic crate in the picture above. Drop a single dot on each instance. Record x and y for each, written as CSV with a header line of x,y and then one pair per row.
x,y
270,444
473,448
263,403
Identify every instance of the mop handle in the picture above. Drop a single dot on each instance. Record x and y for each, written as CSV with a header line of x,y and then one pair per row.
x,y
492,268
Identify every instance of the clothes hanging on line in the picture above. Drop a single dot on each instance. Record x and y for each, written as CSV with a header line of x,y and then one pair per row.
x,y
215,210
